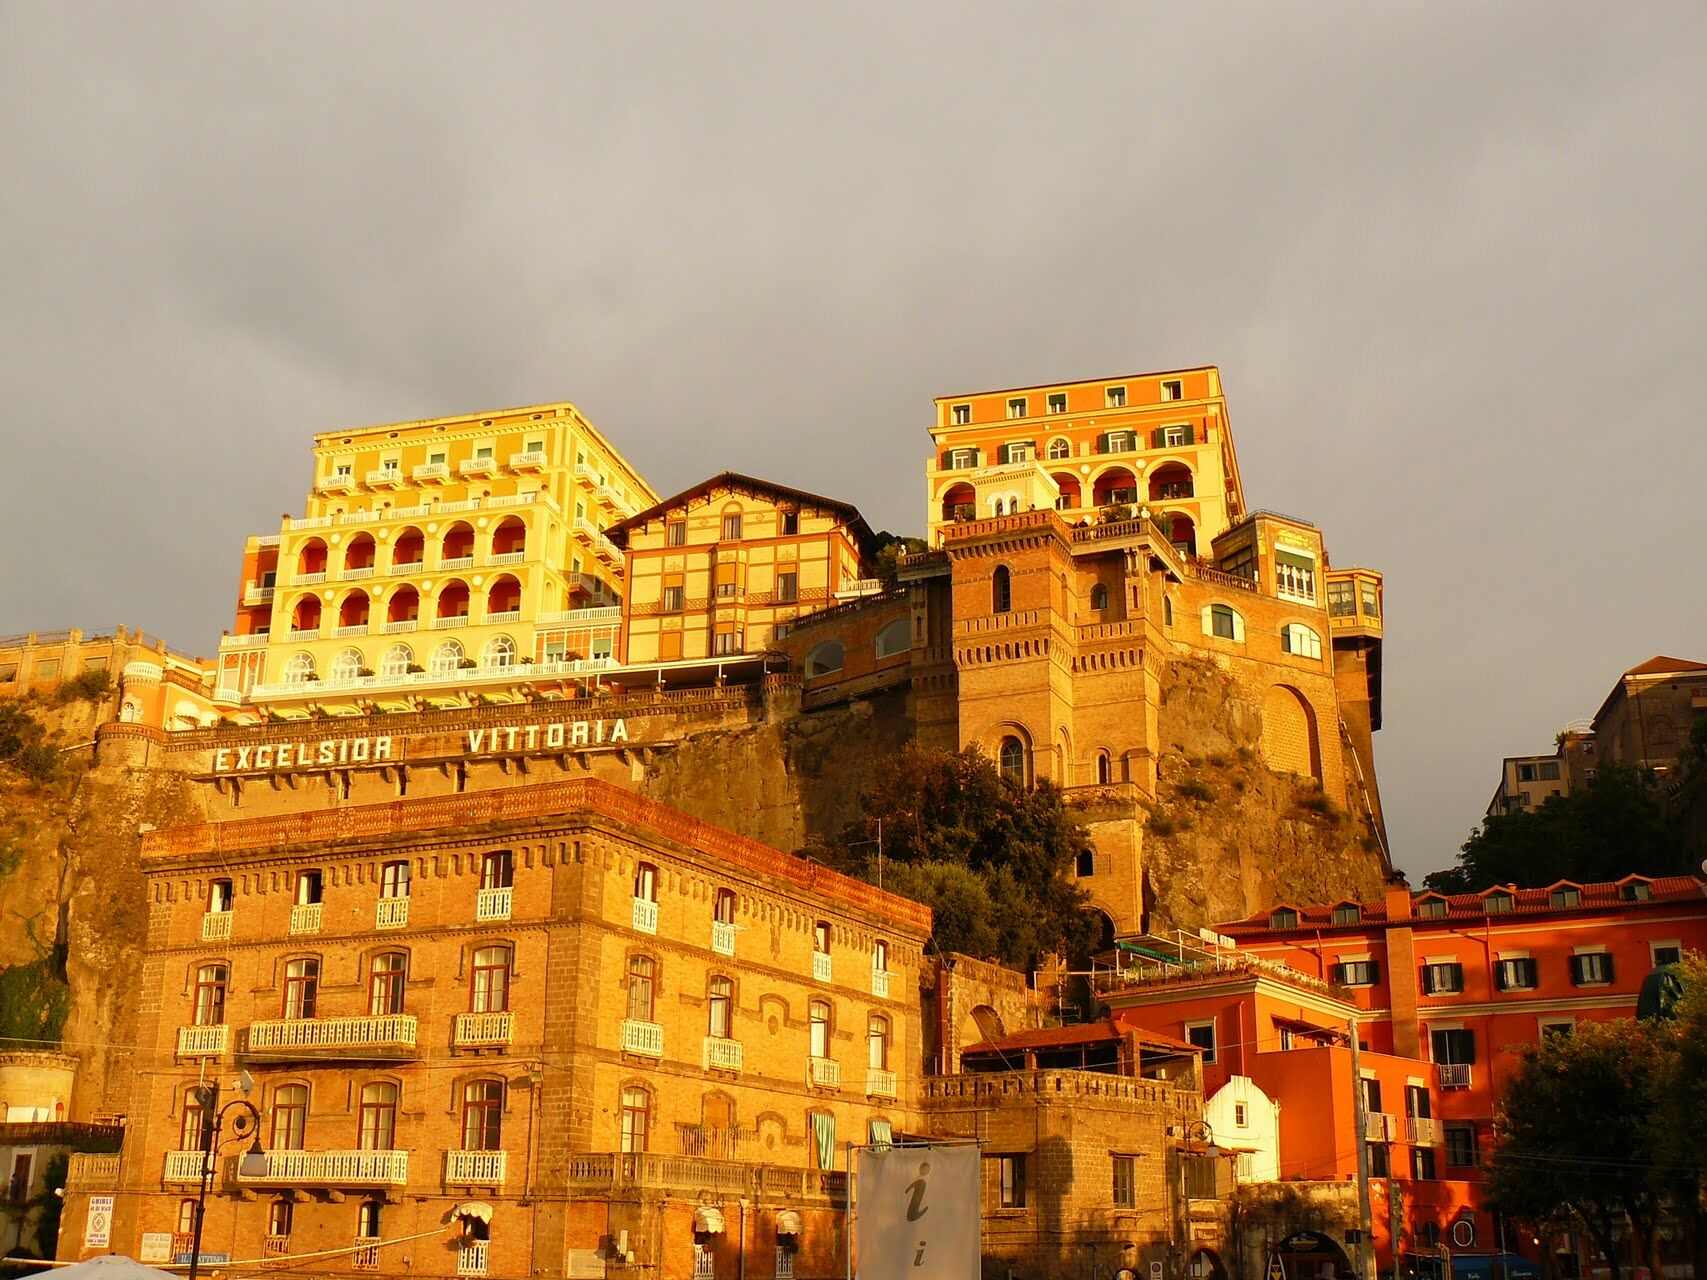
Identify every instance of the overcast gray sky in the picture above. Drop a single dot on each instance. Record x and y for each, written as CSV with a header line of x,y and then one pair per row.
x,y
1449,257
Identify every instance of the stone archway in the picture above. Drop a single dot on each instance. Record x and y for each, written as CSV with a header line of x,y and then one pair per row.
x,y
1290,741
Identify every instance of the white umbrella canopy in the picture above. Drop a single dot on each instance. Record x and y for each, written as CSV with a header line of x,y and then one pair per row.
x,y
109,1266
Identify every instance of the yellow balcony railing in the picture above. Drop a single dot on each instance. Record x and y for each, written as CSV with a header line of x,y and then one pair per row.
x,y
330,1168
380,1031
477,1030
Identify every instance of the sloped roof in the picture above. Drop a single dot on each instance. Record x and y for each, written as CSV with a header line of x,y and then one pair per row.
x,y
618,533
1085,1034
1661,665
1606,895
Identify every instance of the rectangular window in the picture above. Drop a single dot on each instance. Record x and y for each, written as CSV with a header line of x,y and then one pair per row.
x,y
787,588
727,642
1173,437
1115,397
1461,1146
673,599
1342,600
1358,973
1202,1034
1515,974
1057,402
1456,1046
1371,1094
1021,451
676,533
1125,1183
962,414
1380,1163
962,459
1241,561
1119,441
790,523
1557,1026
308,885
1011,1176
732,527
1665,953
1445,978
1591,969
1371,602
1526,773
1422,1164
1549,771
1417,1102
1173,389
1016,407
483,451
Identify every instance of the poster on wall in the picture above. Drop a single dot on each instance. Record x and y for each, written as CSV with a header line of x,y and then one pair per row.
x,y
917,1212
156,1247
98,1225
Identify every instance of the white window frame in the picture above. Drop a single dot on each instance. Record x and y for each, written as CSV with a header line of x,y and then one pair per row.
x,y
1022,403
962,459
1660,944
1212,1050
960,415
1174,437
1114,397
1173,389
1050,402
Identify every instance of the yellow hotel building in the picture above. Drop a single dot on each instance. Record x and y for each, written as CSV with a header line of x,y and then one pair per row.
x,y
437,559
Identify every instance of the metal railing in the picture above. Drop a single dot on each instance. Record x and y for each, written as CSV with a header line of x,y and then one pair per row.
x,y
1377,1127
476,1030
722,1054
1454,1075
485,1168
642,1037
1423,1131
385,1029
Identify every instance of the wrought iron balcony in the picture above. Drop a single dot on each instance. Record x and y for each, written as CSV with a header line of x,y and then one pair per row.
x,y
1454,1075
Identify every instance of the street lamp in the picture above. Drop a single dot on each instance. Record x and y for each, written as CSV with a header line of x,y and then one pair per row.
x,y
253,1164
1189,1132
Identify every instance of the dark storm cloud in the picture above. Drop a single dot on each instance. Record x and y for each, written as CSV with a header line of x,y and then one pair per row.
x,y
1449,258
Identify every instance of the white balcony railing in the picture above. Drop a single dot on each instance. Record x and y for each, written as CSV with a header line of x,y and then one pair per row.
x,y
402,568
645,915
452,678
305,633
305,917
492,904
722,938
477,1030
429,472
403,624
203,1042
391,913
342,482
477,467
880,983
456,562
722,1054
507,557
504,615
471,1258
345,633
879,1083
579,617
216,926
482,1168
355,572
1454,1075
309,579
253,594
332,1168
823,1073
821,966
642,1037
1423,1131
384,478
1377,1127
450,624
528,460
374,1031
183,1166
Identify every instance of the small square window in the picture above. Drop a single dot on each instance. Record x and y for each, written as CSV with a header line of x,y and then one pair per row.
x,y
962,414
1016,407
732,527
1665,953
1173,389
676,533
1202,1034
1115,397
1058,402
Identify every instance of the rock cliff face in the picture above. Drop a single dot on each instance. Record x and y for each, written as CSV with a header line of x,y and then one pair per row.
x,y
1226,836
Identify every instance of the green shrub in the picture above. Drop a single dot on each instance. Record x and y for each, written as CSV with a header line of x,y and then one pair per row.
x,y
1196,789
89,686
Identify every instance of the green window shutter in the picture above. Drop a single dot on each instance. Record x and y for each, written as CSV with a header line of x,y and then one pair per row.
x,y
947,458
1102,442
1190,434
1156,438
1002,454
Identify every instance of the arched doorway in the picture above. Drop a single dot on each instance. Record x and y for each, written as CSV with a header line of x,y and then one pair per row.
x,y
1311,1255
1169,481
1068,484
1206,1264
959,503
1116,485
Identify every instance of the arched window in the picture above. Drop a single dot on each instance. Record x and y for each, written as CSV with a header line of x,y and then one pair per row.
x,y
636,1118
369,1219
826,658
1105,768
379,1117
723,912
877,1042
447,658
483,1115
192,1130
397,661
998,508
186,1215
290,1118
642,985
210,995
1221,621
490,992
818,1020
385,984
1099,597
1059,448
500,651
1296,638
280,1214
646,882
1010,758
301,988
720,1003
821,937
896,637
1001,590
1086,864
1167,611
299,668
347,665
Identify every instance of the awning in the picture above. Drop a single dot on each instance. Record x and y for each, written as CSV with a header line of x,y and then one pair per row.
x,y
788,1223
708,1218
479,1210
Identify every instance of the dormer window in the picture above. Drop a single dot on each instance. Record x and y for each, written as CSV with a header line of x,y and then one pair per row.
x,y
1498,904
1636,891
962,414
1348,913
1431,908
1564,897
1283,918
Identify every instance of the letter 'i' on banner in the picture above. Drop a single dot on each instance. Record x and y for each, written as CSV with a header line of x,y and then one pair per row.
x,y
917,1213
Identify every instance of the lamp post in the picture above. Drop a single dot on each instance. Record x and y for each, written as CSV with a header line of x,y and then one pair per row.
x,y
213,1120
1191,1131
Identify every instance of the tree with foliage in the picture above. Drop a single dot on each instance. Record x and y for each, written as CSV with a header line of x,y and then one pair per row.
x,y
1578,1132
1616,826
993,860
1681,1153
885,560
25,743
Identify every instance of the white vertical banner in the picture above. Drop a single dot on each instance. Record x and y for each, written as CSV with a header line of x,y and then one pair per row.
x,y
918,1212
98,1223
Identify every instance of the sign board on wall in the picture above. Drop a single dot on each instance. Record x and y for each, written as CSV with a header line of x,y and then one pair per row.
x,y
98,1225
917,1213
584,1264
156,1247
